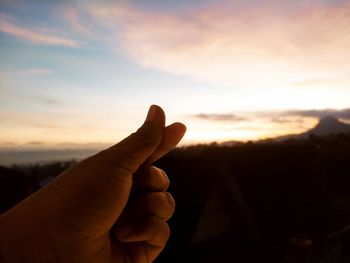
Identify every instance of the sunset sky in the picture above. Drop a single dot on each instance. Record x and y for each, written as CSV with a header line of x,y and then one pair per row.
x,y
85,72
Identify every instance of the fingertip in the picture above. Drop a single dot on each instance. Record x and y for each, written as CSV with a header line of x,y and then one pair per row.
x,y
172,135
155,112
180,124
179,127
155,119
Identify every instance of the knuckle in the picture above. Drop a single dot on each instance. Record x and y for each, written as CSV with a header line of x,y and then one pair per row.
x,y
165,199
145,137
170,200
112,160
159,178
166,179
161,204
166,230
153,170
162,228
168,206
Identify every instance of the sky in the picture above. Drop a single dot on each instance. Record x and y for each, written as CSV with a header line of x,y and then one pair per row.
x,y
75,73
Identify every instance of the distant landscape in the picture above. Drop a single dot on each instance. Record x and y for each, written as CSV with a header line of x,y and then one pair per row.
x,y
326,126
10,157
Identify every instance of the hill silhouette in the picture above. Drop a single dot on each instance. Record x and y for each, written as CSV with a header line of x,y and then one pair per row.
x,y
329,125
326,126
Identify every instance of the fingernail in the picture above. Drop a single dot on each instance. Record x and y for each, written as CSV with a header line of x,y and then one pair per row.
x,y
153,114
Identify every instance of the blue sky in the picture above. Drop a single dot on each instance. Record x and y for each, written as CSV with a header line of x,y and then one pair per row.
x,y
85,72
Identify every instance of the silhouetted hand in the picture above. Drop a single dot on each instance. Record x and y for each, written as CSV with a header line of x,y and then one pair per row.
x,y
111,207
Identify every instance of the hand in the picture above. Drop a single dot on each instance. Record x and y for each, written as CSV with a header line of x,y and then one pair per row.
x,y
111,207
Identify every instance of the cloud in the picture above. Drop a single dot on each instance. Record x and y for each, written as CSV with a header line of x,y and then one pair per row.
x,y
26,72
35,36
340,114
278,117
228,45
257,44
52,102
334,81
75,19
282,120
219,117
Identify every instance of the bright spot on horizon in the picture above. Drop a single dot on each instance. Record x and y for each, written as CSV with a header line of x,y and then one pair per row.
x,y
85,72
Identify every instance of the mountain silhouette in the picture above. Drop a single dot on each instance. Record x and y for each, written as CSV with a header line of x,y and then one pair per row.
x,y
326,126
329,125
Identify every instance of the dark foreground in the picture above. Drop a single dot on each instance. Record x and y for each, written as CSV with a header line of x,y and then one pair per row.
x,y
255,202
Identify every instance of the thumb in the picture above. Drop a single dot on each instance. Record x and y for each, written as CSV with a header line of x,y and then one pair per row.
x,y
134,150
101,184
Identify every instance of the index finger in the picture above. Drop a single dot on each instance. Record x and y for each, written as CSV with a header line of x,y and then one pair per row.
x,y
172,135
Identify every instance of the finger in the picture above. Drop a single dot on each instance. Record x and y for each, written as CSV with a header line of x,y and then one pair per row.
x,y
172,135
151,230
160,204
105,179
134,150
150,178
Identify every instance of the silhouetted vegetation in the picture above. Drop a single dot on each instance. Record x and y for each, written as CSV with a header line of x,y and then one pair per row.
x,y
283,189
43,172
254,202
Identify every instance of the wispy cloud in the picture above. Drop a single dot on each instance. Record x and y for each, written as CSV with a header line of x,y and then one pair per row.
x,y
53,102
226,44
219,117
333,81
26,72
284,120
341,114
278,117
35,36
264,51
76,21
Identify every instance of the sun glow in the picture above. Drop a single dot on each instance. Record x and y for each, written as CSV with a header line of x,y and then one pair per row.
x,y
230,70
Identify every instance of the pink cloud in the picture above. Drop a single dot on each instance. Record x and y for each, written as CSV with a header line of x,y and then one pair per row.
x,y
225,46
258,50
32,35
268,43
74,18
